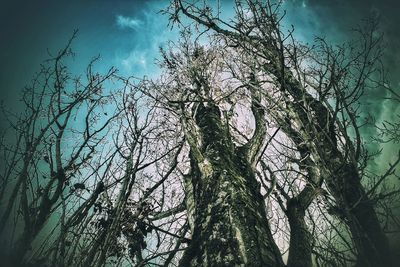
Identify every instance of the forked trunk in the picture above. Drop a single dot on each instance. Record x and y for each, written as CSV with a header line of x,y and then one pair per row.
x,y
230,226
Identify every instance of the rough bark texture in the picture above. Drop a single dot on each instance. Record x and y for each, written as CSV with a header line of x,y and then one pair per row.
x,y
300,247
229,225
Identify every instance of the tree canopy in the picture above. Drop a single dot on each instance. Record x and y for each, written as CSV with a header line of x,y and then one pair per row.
x,y
247,150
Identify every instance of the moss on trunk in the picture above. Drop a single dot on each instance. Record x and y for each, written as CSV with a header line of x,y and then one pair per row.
x,y
230,226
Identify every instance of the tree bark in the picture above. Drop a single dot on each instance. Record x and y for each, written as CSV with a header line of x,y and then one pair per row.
x,y
230,227
300,247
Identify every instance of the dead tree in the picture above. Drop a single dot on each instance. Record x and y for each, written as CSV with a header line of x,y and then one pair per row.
x,y
226,212
88,172
48,158
305,83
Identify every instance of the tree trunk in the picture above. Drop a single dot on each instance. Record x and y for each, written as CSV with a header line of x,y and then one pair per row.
x,y
344,182
370,241
230,226
300,247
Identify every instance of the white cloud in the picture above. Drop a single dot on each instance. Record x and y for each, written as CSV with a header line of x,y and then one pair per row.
x,y
127,22
135,61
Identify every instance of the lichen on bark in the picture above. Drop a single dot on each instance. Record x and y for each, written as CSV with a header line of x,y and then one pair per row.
x,y
230,225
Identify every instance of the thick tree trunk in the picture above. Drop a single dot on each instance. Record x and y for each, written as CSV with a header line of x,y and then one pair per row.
x,y
230,226
369,239
300,239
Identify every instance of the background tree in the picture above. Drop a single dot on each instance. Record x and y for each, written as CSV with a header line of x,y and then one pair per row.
x,y
82,164
43,163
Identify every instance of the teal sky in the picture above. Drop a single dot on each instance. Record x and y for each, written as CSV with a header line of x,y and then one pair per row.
x,y
125,33
128,33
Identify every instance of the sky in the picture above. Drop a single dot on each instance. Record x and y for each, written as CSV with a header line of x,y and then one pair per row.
x,y
127,34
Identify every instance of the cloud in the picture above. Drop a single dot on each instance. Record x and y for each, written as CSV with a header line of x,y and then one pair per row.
x,y
127,22
136,62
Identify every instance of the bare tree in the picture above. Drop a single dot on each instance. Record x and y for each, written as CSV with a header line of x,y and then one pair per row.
x,y
316,95
54,145
246,151
88,171
222,180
